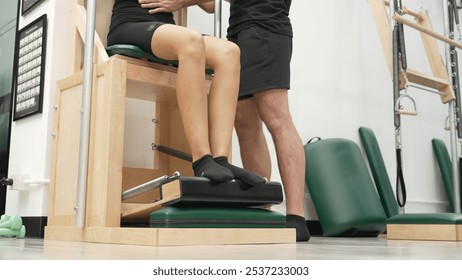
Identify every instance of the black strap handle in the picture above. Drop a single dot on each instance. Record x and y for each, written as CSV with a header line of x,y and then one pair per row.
x,y
400,185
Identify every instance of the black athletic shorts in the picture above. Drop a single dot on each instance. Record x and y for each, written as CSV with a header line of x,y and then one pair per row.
x,y
265,60
134,33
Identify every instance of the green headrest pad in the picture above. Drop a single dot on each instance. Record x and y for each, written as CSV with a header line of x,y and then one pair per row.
x,y
379,171
341,188
216,217
427,218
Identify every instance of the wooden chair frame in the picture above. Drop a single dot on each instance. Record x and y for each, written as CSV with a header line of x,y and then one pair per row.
x,y
115,79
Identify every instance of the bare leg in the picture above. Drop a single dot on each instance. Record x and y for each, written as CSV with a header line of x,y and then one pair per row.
x,y
223,57
274,110
252,142
188,47
178,43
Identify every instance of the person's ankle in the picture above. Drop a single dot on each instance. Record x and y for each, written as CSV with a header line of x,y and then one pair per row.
x,y
299,223
240,173
207,167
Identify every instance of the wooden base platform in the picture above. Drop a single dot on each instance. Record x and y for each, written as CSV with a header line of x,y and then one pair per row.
x,y
171,236
425,226
433,232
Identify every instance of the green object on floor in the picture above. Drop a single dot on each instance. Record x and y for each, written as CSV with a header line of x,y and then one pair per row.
x,y
18,233
11,226
214,217
12,222
342,190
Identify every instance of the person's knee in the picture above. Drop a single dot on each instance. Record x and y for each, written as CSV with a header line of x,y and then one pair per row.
x,y
274,110
232,52
229,55
277,120
193,46
245,124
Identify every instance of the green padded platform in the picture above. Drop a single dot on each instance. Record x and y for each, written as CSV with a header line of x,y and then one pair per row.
x,y
342,190
445,167
379,171
426,218
137,52
211,217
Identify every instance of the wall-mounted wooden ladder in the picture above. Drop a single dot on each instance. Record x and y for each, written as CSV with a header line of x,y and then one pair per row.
x,y
440,80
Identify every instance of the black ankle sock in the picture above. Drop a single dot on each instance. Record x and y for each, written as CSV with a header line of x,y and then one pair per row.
x,y
299,223
240,173
207,167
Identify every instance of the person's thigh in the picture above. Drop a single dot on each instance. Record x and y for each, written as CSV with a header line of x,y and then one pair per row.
x,y
170,40
134,33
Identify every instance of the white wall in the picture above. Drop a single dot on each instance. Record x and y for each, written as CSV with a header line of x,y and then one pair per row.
x,y
30,153
340,82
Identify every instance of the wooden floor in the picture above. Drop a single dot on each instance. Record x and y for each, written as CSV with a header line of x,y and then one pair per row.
x,y
318,248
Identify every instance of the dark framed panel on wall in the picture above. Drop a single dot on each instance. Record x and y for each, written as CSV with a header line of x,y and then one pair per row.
x,y
30,68
29,5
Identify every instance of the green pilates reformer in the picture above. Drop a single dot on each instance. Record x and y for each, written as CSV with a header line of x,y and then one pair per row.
x,y
421,226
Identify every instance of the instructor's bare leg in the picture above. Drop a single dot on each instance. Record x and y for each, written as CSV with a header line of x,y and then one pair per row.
x,y
252,141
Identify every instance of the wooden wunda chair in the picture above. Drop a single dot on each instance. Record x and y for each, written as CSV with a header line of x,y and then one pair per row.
x,y
116,78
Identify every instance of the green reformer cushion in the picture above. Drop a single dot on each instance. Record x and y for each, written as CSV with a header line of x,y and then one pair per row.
x,y
213,217
445,167
379,171
342,190
426,218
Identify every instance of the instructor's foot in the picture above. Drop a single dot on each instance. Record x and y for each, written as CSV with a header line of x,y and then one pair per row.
x,y
207,167
240,173
299,223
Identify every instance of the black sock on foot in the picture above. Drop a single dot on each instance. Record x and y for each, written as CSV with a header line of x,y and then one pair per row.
x,y
207,167
299,223
240,173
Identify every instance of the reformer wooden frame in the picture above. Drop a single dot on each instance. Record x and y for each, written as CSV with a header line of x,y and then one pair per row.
x,y
435,232
440,81
115,79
